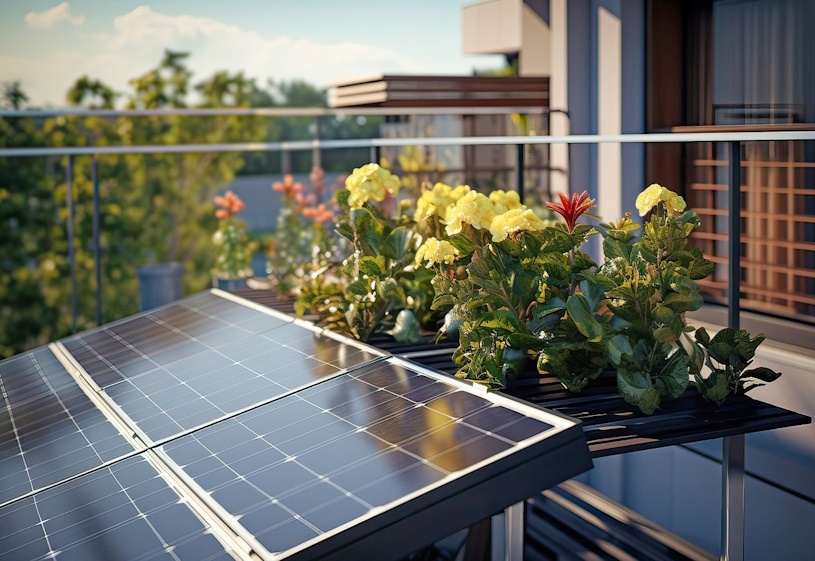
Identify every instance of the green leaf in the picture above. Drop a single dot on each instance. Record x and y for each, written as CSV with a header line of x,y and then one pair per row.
x,y
406,329
673,379
763,374
714,388
593,292
463,244
581,314
636,389
526,341
662,314
619,346
399,244
369,231
360,287
341,197
502,320
702,337
513,362
372,266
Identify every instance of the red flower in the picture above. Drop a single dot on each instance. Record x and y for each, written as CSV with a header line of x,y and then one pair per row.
x,y
572,209
230,205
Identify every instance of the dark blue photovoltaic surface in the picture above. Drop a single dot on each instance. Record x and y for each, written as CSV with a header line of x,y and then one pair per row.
x,y
122,512
49,429
205,358
307,463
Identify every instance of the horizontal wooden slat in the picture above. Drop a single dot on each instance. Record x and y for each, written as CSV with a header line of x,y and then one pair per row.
x,y
750,164
752,189
754,214
745,128
803,246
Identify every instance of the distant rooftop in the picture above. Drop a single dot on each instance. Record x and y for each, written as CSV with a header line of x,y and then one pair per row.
x,y
441,91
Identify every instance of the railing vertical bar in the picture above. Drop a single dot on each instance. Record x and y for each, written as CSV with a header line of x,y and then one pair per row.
x,y
733,447
97,249
734,237
520,170
69,231
316,154
285,162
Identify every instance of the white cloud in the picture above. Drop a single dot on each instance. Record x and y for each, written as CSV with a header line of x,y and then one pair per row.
x,y
49,18
215,45
138,38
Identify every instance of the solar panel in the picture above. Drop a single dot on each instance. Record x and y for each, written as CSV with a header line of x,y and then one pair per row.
x,y
205,358
49,429
309,473
125,511
212,421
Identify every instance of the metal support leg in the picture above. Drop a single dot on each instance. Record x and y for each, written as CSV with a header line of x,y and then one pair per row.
x,y
733,498
97,249
508,534
69,232
733,446
520,170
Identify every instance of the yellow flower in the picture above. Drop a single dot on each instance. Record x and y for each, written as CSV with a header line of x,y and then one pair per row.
x,y
473,208
515,220
438,200
434,251
656,194
370,182
505,200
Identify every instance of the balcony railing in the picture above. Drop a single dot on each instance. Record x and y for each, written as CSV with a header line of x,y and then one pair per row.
x,y
776,273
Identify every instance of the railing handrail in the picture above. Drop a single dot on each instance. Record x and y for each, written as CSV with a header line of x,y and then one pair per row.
x,y
270,111
414,141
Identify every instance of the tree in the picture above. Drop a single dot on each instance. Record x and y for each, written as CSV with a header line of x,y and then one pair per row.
x,y
154,207
13,95
92,94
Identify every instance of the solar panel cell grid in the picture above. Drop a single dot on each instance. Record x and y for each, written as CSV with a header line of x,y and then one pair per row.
x,y
125,511
49,429
301,466
168,380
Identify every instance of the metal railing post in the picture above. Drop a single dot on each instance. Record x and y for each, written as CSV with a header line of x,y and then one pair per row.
x,y
285,161
97,249
69,231
316,153
732,548
520,170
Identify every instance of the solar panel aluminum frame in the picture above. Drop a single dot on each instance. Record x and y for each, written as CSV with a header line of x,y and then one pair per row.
x,y
483,490
453,503
237,543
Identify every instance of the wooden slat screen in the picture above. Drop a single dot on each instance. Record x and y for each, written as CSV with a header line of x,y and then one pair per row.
x,y
778,220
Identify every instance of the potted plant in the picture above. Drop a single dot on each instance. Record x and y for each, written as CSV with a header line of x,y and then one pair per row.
x,y
529,293
377,288
234,249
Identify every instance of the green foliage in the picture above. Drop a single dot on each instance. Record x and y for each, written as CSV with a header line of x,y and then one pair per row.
x,y
154,208
727,355
382,290
234,250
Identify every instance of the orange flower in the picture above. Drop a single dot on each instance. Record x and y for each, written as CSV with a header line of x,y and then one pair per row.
x,y
319,214
230,205
317,179
288,187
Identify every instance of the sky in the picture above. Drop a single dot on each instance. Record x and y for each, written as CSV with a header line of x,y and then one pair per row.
x,y
47,44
